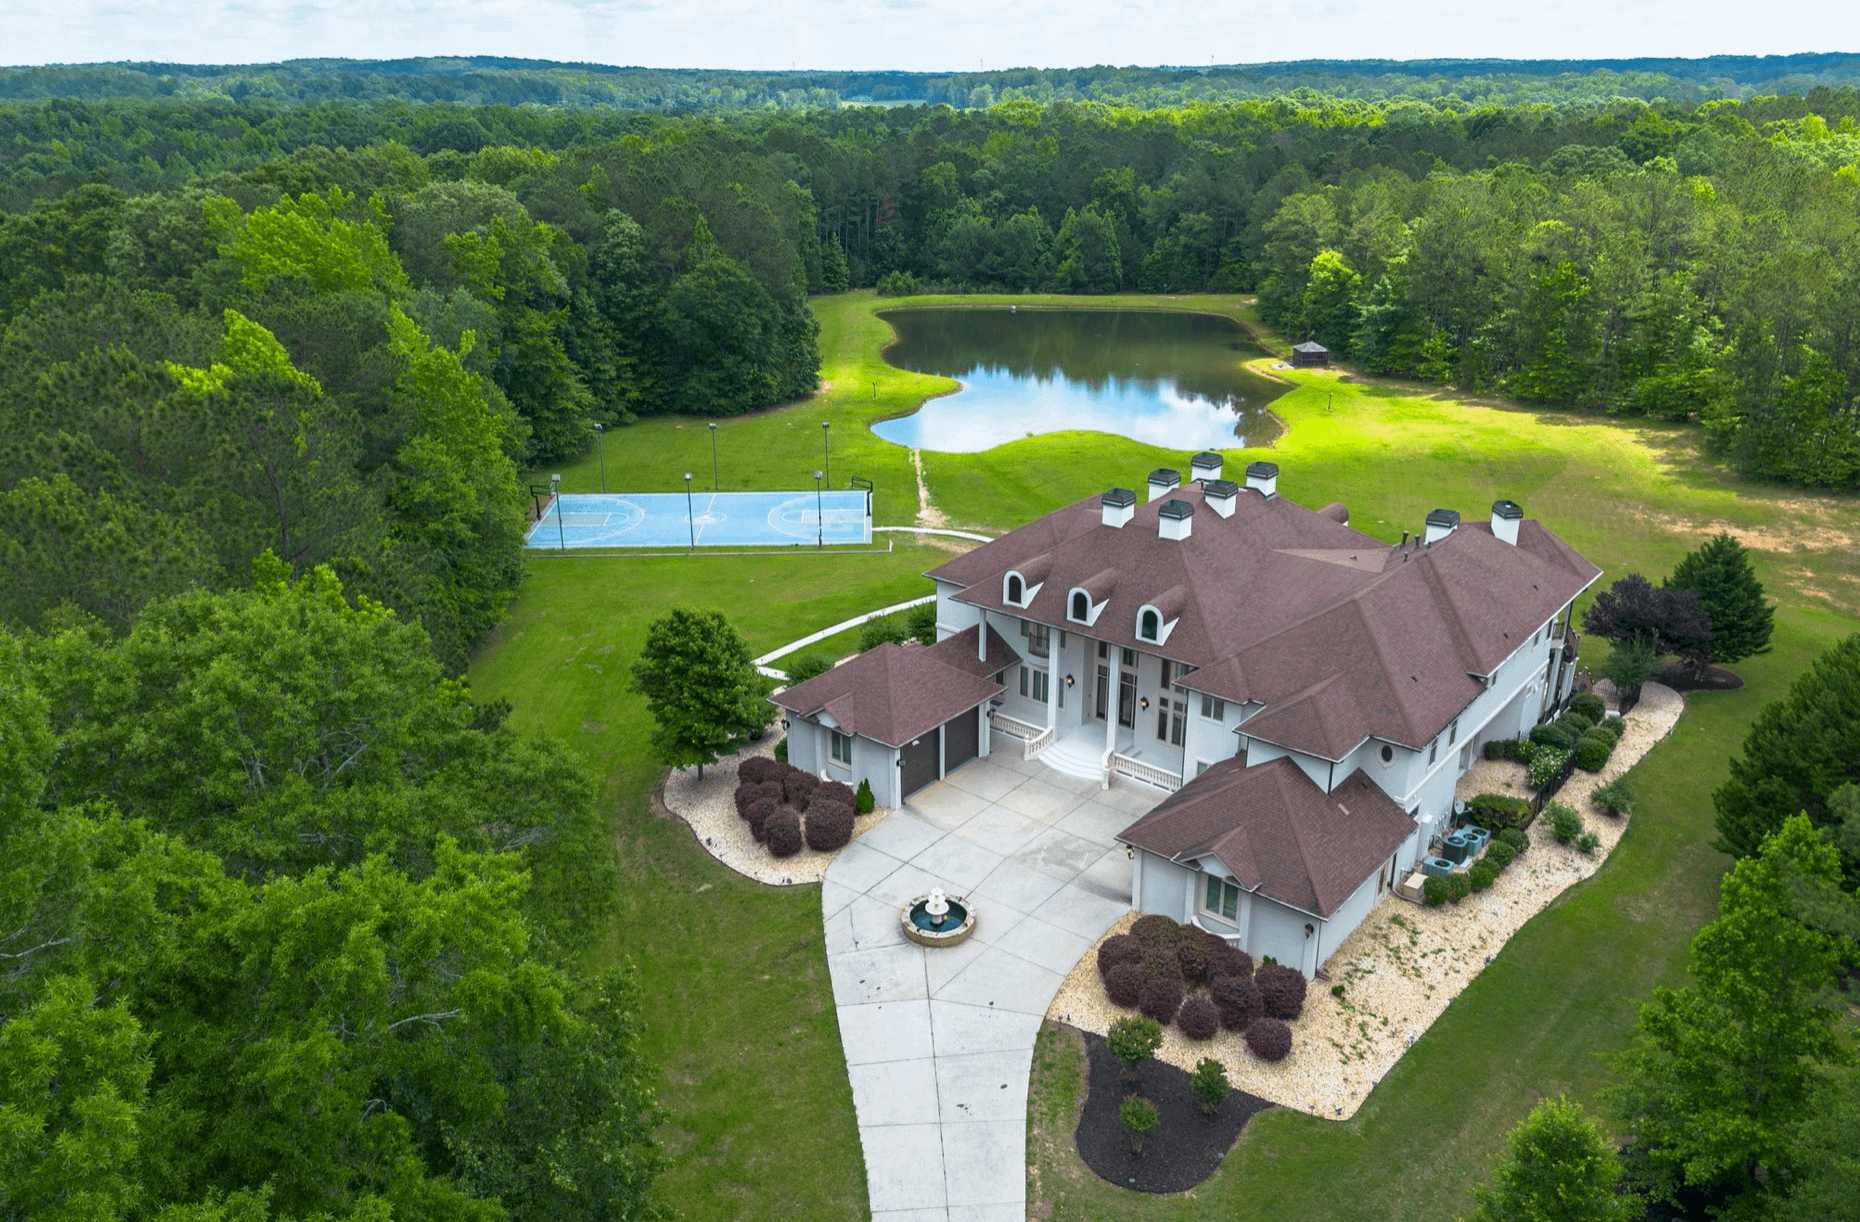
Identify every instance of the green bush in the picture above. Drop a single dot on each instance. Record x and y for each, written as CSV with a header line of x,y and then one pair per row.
x,y
896,284
1589,705
1139,1116
920,622
781,751
1559,734
1481,876
1593,751
1434,891
1131,1039
1614,727
807,665
863,801
885,630
1497,810
1565,823
1616,797
1498,855
1576,721
1210,1082
1545,767
1519,749
1588,842
1458,887
1516,837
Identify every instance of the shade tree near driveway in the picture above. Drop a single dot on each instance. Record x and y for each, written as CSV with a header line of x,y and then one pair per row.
x,y
701,686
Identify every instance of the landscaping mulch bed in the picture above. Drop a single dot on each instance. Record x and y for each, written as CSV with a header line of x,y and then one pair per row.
x,y
1182,1150
1679,677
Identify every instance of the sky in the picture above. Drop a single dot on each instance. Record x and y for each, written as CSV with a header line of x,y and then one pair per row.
x,y
916,35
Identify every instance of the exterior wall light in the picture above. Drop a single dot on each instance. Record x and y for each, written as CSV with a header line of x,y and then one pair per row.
x,y
1070,680
1144,703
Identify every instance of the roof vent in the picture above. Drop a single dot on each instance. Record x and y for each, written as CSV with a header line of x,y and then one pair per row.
x,y
1120,505
1506,515
1164,481
1263,478
1440,524
1205,466
1219,494
1174,520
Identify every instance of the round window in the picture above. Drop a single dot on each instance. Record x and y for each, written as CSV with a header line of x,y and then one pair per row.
x,y
1388,754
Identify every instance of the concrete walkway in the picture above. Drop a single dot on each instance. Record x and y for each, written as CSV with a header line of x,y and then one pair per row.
x,y
939,1043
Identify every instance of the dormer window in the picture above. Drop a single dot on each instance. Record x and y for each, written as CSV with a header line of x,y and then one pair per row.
x,y
1016,590
1149,627
1080,610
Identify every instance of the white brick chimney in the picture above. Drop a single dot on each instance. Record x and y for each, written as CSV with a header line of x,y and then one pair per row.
x,y
1263,478
1163,481
1506,516
1175,520
1120,505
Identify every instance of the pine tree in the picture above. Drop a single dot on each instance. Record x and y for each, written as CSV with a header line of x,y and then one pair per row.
x,y
834,277
1719,573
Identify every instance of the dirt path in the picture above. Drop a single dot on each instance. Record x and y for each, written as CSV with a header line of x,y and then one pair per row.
x,y
927,514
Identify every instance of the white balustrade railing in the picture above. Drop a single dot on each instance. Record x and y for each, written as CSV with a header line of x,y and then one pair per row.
x,y
1033,738
1150,774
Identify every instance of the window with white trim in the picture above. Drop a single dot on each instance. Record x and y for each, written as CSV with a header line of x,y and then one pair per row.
x,y
1016,592
1150,627
1081,607
1222,898
1453,732
1213,708
1039,638
1035,683
842,748
1433,752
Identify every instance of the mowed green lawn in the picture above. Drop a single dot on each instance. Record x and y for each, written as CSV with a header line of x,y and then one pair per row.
x,y
738,1001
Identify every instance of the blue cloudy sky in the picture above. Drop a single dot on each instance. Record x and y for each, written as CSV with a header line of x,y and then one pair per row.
x,y
913,34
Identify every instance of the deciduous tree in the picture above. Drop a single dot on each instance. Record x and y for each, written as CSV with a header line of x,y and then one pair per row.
x,y
701,686
1557,1168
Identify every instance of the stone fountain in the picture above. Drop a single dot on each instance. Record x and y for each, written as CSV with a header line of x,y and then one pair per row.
x,y
938,920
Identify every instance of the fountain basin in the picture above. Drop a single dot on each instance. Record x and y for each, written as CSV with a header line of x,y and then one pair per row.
x,y
921,926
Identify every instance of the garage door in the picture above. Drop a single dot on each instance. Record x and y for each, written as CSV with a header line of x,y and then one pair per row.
x,y
959,740
919,763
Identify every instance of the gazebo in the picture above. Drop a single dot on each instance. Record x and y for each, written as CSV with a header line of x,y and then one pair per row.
x,y
1308,354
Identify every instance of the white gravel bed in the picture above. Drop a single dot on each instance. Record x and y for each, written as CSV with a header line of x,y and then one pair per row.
x,y
709,807
1405,963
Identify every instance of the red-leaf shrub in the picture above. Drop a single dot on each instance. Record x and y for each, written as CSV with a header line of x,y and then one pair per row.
x,y
829,824
834,791
1154,928
1115,950
1282,989
1159,961
798,786
1123,984
1270,1039
1160,999
746,793
757,769
782,831
1237,1000
759,814
1191,958
1199,1018
1230,961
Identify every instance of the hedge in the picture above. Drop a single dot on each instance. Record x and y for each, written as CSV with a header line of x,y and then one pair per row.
x,y
1434,891
1497,811
1593,751
1458,887
1160,999
1116,950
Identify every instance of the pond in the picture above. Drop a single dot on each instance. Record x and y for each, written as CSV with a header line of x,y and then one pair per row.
x,y
1170,379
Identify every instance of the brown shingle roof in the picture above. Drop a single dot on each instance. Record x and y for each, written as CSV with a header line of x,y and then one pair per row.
x,y
1278,833
1280,600
895,693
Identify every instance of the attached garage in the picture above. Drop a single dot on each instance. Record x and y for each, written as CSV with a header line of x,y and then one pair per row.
x,y
919,766
961,740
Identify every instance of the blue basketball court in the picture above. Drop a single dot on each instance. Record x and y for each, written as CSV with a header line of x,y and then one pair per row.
x,y
714,519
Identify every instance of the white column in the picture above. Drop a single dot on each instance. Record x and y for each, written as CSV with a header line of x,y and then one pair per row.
x,y
1052,680
1111,704
981,638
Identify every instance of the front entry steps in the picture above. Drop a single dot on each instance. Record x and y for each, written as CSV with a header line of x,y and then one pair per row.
x,y
1081,756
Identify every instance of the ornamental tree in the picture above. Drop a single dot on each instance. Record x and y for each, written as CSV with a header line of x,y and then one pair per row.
x,y
701,686
1668,621
1557,1168
1719,573
1131,1039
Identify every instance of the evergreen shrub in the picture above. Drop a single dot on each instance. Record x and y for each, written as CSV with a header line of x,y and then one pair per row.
x,y
865,801
1516,837
1565,823
1498,855
1155,928
1616,797
1589,705
781,751
1433,891
1481,876
1458,887
1593,751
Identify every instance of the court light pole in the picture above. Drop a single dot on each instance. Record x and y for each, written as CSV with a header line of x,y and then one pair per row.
x,y
820,521
825,454
600,444
555,492
713,456
690,513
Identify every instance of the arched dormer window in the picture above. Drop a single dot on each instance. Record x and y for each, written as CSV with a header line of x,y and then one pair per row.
x,y
1149,627
1081,606
1016,591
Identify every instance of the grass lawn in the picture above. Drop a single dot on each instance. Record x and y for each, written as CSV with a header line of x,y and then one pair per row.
x,y
739,1007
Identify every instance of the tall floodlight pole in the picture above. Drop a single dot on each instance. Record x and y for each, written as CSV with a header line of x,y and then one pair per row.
x,y
555,492
690,513
820,520
600,444
713,456
826,457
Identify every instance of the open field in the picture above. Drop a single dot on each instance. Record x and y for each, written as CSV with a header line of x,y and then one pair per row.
x,y
737,1000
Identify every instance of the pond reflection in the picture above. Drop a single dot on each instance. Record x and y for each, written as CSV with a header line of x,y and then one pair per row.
x,y
1173,380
